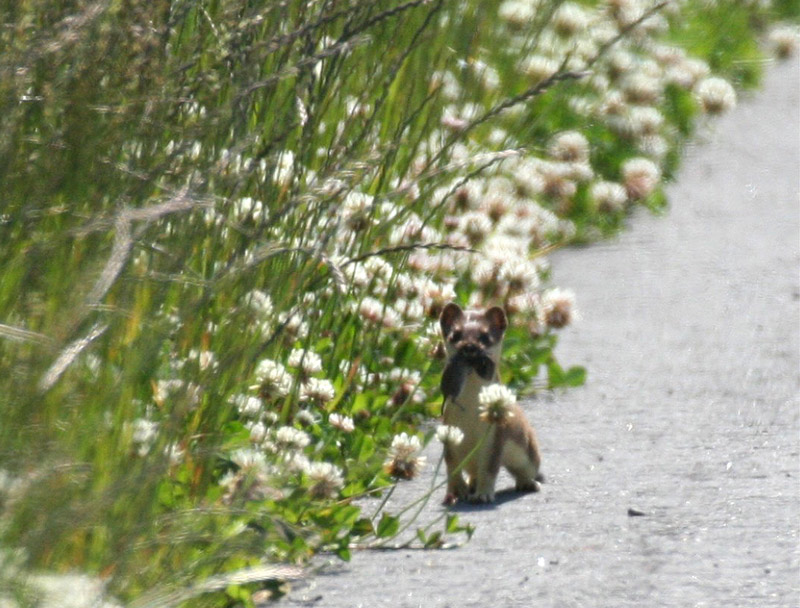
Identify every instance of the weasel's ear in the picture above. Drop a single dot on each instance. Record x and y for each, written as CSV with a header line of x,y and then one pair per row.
x,y
450,314
496,317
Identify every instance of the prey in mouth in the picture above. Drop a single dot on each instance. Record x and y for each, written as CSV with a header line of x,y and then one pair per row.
x,y
472,340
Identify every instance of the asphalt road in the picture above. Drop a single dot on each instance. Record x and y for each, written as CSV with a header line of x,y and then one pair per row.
x,y
691,333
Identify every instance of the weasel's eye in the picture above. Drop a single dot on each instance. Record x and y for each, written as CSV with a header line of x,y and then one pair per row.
x,y
455,335
485,338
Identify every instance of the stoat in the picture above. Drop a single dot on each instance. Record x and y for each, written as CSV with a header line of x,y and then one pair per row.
x,y
473,342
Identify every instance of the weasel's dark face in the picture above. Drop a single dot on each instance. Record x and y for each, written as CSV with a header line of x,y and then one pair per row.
x,y
473,335
473,340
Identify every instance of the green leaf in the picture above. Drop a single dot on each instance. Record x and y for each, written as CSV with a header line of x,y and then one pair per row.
x,y
388,526
363,527
452,524
346,515
434,540
575,376
365,448
343,552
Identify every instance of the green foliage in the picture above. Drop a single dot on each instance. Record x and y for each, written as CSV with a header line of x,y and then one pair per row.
x,y
721,32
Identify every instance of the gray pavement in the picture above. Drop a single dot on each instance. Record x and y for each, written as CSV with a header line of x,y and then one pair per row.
x,y
691,333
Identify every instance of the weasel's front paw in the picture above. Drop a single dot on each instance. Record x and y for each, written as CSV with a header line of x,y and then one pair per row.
x,y
482,498
450,499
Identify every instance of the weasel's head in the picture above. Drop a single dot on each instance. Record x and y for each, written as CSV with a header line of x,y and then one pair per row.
x,y
473,335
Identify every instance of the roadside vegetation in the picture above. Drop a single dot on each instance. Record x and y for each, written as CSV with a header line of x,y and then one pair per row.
x,y
228,229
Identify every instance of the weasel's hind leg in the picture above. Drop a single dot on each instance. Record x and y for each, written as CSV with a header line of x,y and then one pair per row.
x,y
524,467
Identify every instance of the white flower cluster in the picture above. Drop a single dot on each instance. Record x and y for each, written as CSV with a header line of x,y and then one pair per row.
x,y
404,460
496,403
496,221
449,435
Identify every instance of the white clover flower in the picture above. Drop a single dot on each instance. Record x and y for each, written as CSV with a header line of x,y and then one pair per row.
x,y
402,374
295,462
326,479
556,179
539,67
247,406
558,306
144,435
475,225
378,268
258,431
653,146
608,196
642,88
246,208
645,120
371,309
640,177
435,295
291,438
305,417
466,196
251,480
449,435
343,423
274,381
249,459
517,13
293,324
519,274
570,19
357,209
259,302
165,388
687,73
620,62
411,310
715,95
195,150
404,460
784,40
501,247
307,361
356,274
569,146
496,403
318,391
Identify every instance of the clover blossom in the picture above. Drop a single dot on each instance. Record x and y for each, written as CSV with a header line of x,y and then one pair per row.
x,y
496,403
404,460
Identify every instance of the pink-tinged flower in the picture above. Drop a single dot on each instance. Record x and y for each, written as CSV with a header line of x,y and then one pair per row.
x,y
715,95
570,147
558,307
640,177
608,196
